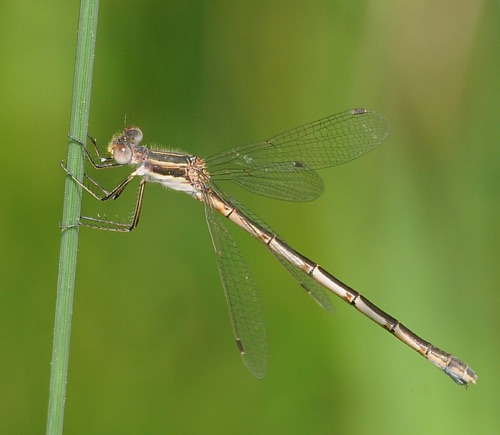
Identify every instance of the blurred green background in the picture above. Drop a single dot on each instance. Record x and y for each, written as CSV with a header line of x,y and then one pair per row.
x,y
413,225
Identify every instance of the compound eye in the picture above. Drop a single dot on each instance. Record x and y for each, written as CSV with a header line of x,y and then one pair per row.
x,y
122,154
134,134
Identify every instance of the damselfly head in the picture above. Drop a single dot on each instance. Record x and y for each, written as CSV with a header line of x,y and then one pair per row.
x,y
123,145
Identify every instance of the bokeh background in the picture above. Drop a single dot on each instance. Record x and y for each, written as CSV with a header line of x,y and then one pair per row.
x,y
413,225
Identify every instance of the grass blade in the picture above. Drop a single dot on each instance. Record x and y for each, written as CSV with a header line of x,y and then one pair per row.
x,y
87,28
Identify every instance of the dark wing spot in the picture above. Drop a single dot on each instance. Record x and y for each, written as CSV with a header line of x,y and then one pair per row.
x,y
240,346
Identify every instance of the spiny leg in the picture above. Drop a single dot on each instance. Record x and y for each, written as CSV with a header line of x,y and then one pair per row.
x,y
113,194
105,224
123,227
104,162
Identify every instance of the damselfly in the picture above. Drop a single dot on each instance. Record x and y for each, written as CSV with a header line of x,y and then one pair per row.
x,y
282,167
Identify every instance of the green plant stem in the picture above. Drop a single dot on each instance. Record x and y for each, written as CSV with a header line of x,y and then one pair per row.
x,y
87,28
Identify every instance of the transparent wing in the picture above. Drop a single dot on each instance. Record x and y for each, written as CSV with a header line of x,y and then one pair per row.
x,y
245,309
283,166
312,287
